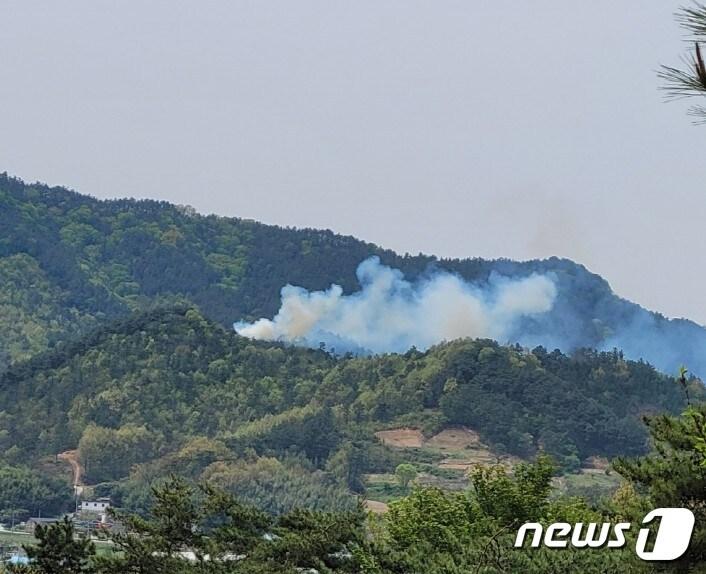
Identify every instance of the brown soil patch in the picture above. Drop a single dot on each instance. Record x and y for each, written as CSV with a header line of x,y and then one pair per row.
x,y
455,439
376,506
401,438
597,462
454,464
463,449
461,446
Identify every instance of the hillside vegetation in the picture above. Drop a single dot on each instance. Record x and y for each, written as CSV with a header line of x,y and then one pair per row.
x,y
276,475
170,391
68,261
116,339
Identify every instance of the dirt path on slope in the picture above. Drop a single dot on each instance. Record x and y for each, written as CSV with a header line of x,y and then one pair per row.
x,y
71,456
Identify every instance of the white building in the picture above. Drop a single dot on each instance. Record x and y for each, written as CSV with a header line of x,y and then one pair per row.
x,y
99,505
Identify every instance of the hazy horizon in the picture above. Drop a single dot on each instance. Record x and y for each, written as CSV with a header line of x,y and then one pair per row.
x,y
486,130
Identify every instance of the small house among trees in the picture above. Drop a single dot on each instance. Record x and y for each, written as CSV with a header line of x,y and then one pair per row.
x,y
99,505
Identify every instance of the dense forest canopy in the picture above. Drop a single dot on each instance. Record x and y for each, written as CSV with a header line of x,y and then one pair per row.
x,y
68,260
116,340
168,389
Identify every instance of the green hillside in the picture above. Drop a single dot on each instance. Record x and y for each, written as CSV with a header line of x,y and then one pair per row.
x,y
170,391
68,261
116,339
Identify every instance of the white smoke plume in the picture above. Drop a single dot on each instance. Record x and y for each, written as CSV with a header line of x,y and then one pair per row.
x,y
391,314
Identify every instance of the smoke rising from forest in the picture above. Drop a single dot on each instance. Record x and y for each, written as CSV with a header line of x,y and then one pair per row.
x,y
556,308
392,314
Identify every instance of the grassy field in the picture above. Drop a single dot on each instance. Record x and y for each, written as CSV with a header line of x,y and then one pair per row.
x,y
15,537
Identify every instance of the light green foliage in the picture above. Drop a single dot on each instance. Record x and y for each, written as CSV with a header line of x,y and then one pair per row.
x,y
33,312
697,431
170,390
310,429
591,485
108,454
514,499
430,517
430,531
435,532
280,486
142,389
405,474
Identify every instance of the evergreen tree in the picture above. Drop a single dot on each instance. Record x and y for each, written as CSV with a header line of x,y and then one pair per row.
x,y
59,551
674,475
689,81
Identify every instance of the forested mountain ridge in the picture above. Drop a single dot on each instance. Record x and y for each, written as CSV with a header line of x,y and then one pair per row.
x,y
116,338
169,390
85,260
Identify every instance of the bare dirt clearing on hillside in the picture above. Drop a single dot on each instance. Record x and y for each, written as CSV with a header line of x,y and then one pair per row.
x,y
376,506
454,439
461,447
401,438
446,460
455,452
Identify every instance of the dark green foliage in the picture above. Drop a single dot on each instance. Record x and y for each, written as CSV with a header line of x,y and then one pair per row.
x,y
431,518
570,406
674,475
108,453
311,430
170,370
89,260
128,300
102,259
152,545
279,486
34,313
25,492
690,81
59,551
205,530
169,391
567,405
405,474
224,535
305,539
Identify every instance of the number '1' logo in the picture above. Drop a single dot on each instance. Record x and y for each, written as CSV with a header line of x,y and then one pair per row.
x,y
673,536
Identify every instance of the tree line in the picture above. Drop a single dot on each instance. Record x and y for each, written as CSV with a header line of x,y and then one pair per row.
x,y
200,528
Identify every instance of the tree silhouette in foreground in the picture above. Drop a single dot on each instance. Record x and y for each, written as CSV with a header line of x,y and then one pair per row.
x,y
689,81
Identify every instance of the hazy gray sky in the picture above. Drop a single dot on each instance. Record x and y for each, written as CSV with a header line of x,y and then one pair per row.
x,y
476,128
